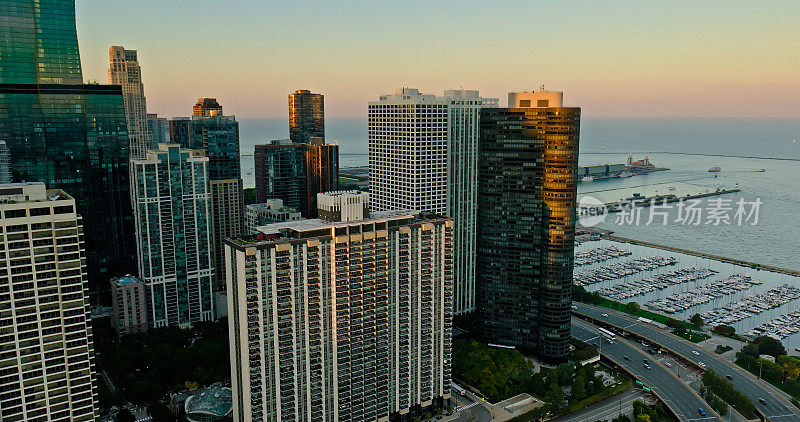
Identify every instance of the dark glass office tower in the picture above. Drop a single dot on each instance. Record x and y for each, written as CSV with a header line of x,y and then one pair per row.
x,y
306,116
67,134
528,159
295,173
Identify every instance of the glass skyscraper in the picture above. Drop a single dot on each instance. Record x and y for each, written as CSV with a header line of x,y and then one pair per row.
x,y
463,118
218,137
67,134
296,173
528,159
306,116
173,227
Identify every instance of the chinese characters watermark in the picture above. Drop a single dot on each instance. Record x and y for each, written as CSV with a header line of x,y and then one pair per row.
x,y
714,211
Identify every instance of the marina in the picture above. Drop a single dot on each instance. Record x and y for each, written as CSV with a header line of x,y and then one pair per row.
x,y
751,305
622,269
599,255
626,291
779,328
733,282
704,294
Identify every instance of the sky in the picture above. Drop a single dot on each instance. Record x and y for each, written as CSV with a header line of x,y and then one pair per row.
x,y
616,59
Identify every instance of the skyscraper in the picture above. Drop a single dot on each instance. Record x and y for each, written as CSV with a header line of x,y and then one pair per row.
x,y
47,359
206,107
159,128
124,70
408,152
463,116
218,137
5,163
172,205
306,116
528,160
296,173
341,321
66,134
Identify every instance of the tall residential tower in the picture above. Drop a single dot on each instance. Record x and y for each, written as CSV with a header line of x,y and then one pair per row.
x,y
47,360
528,159
463,115
218,137
172,206
306,116
124,70
341,320
408,152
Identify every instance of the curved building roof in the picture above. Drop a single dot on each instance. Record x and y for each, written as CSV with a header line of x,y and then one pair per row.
x,y
209,404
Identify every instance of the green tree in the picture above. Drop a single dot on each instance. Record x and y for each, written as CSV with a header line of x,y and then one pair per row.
x,y
697,320
724,330
125,415
555,394
644,417
769,346
579,388
633,307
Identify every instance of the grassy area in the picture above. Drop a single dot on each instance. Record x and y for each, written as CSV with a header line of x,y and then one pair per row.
x,y
722,349
617,306
694,337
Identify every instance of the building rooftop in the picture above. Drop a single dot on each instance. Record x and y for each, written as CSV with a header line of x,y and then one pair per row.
x,y
316,223
126,279
29,192
213,401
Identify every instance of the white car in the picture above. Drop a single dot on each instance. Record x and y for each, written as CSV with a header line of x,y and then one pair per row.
x,y
605,315
669,365
702,364
696,353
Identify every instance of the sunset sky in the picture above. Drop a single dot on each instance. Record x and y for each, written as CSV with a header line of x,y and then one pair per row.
x,y
728,59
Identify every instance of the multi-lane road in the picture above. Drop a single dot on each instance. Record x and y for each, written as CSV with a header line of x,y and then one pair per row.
x,y
777,408
678,396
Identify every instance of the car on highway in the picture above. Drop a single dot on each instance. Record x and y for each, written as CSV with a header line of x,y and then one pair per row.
x,y
701,411
646,366
702,364
605,315
669,365
696,353
762,401
645,361
574,307
627,358
728,376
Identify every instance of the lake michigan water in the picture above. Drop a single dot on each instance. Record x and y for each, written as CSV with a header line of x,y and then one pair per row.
x,y
774,240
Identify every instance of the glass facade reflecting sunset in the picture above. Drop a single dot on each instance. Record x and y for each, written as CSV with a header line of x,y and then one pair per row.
x,y
526,227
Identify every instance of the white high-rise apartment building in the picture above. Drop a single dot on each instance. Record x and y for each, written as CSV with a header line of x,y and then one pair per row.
x,y
423,156
464,113
124,70
47,370
408,152
341,320
172,210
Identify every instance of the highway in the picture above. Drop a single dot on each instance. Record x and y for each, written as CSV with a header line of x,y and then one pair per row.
x,y
607,409
678,396
777,409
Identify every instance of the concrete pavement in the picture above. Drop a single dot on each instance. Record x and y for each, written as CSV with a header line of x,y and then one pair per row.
x,y
777,409
676,395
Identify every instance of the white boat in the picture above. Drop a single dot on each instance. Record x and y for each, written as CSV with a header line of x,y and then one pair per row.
x,y
714,169
587,179
672,188
625,174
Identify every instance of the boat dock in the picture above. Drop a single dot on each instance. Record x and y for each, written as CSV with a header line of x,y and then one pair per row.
x,y
661,281
716,289
751,305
